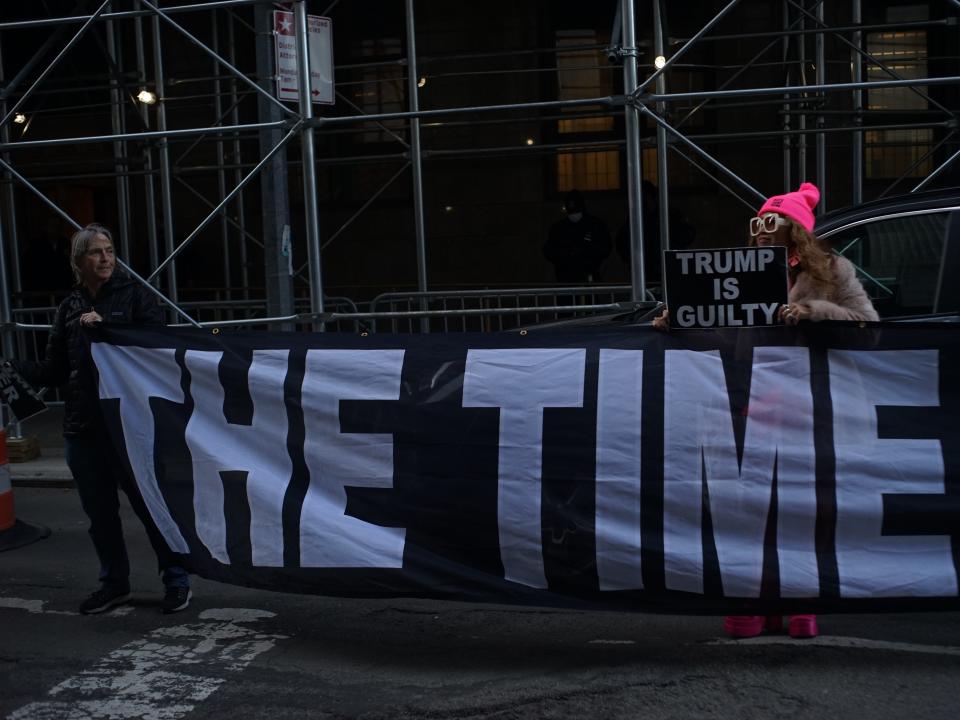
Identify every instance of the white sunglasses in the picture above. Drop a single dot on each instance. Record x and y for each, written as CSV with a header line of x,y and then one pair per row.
x,y
766,224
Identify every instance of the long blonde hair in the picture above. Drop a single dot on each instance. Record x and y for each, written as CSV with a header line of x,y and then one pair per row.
x,y
815,257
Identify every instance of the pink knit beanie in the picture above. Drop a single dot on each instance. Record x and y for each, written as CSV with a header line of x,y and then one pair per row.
x,y
797,205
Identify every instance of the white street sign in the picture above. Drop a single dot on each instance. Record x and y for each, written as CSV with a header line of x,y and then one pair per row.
x,y
321,57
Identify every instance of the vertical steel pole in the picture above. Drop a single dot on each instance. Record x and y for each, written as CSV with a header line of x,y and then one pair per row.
x,y
238,170
221,173
632,122
166,196
309,156
416,157
6,315
663,185
148,180
6,337
857,141
274,185
10,199
120,162
821,121
802,119
787,141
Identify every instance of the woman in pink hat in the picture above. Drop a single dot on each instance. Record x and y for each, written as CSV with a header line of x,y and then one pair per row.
x,y
822,286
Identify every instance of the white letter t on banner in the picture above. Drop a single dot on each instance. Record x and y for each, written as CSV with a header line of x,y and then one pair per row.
x,y
522,383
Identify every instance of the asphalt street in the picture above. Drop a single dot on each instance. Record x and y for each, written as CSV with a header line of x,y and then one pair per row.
x,y
240,653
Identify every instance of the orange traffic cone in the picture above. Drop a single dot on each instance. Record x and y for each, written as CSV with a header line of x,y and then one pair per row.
x,y
13,533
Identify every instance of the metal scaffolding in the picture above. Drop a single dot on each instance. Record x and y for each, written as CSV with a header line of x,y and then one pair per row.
x,y
143,145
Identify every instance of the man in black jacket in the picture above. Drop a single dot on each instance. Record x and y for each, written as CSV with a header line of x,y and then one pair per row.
x,y
578,244
103,293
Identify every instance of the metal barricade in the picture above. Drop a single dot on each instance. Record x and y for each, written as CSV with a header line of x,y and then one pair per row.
x,y
252,314
463,310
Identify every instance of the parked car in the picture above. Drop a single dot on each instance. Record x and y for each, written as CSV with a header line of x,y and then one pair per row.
x,y
906,250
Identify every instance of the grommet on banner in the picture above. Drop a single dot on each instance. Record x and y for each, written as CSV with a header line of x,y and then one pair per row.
x,y
215,331
364,334
523,332
13,533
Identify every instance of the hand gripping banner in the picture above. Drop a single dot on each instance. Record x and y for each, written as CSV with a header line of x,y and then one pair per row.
x,y
783,469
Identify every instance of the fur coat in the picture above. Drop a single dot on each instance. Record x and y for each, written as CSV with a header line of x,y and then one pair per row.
x,y
847,300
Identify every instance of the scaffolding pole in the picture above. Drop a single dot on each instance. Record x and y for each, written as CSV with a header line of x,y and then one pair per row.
x,y
119,146
416,156
149,185
309,153
163,150
857,77
638,278
663,184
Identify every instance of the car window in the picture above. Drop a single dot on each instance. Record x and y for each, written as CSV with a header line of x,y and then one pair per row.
x,y
897,259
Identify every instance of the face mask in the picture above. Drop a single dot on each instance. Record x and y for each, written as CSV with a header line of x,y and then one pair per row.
x,y
575,217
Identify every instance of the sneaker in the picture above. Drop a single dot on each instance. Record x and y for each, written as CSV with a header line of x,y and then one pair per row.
x,y
103,599
176,599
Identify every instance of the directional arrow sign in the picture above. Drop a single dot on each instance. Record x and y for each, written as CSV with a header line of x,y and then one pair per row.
x,y
321,57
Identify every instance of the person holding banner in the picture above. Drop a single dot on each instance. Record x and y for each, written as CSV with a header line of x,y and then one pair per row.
x,y
102,293
822,285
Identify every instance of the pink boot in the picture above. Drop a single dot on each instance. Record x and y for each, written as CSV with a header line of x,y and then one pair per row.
x,y
803,626
743,626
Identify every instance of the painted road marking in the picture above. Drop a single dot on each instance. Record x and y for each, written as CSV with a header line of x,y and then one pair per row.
x,y
37,606
163,676
845,642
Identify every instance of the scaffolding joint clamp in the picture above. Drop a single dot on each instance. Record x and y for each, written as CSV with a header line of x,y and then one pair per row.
x,y
616,53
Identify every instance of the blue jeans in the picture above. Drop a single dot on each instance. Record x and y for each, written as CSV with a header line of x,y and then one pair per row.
x,y
96,471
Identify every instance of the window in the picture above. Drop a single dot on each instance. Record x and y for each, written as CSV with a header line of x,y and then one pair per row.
x,y
898,260
582,72
381,89
891,153
588,171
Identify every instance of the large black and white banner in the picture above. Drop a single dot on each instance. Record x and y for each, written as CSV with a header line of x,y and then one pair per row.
x,y
813,468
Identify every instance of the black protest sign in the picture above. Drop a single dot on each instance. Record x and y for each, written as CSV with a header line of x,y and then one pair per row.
x,y
17,393
725,287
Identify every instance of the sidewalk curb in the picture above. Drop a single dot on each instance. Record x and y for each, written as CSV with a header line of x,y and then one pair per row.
x,y
42,482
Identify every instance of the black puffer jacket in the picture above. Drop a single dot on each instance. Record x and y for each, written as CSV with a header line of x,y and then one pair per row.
x,y
120,300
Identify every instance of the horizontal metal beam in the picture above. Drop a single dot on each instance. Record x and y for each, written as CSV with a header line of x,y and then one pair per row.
x,y
609,100
414,314
185,132
213,5
795,89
